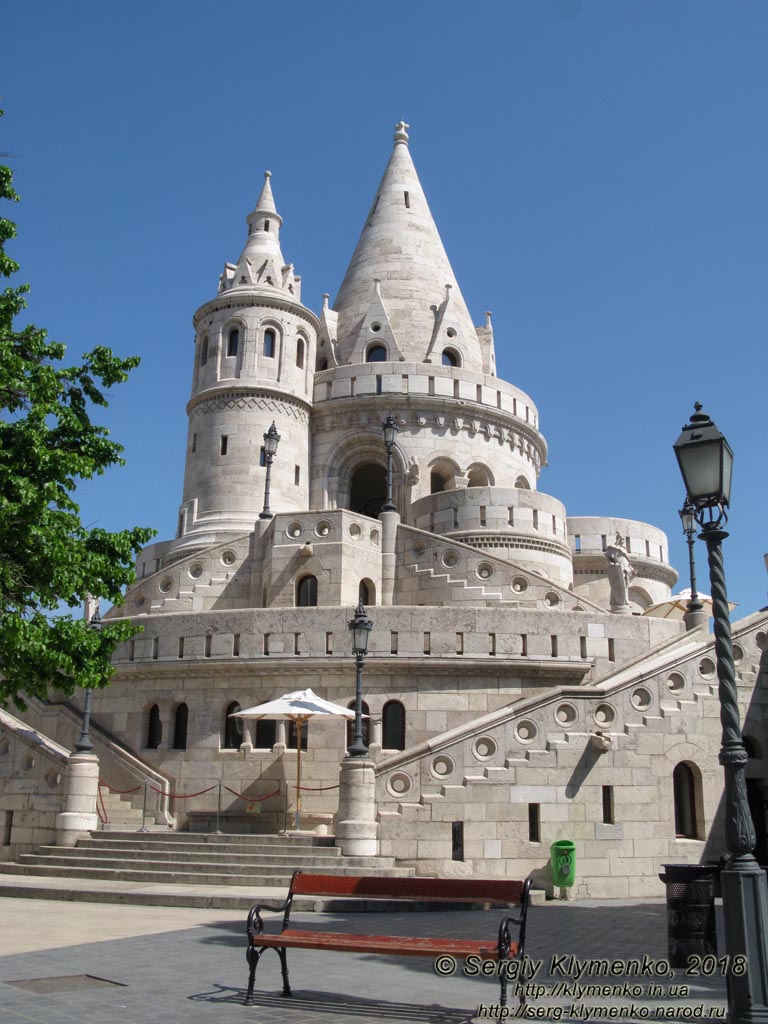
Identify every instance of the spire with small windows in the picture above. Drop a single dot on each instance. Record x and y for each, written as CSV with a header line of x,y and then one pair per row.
x,y
261,262
401,248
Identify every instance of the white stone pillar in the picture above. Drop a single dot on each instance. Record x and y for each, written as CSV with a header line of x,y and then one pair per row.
x,y
356,825
389,523
81,791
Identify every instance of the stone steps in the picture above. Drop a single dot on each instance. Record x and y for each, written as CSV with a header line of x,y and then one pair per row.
x,y
176,859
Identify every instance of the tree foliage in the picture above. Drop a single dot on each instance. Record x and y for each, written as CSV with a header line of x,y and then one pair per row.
x,y
48,558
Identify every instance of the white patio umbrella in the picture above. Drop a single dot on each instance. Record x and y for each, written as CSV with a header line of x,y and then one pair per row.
x,y
676,606
298,707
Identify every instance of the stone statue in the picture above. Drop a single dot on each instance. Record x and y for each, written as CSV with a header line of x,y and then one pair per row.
x,y
413,471
620,573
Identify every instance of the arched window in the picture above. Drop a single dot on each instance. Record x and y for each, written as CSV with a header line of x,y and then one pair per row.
x,y
522,484
300,353
233,728
180,722
451,357
233,342
306,592
393,726
204,350
269,343
686,787
366,592
436,483
266,729
351,725
368,489
154,728
376,354
293,733
479,476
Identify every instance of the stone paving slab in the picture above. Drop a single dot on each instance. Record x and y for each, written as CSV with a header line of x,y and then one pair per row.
x,y
188,966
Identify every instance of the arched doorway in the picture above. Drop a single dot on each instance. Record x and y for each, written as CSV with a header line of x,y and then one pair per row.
x,y
368,489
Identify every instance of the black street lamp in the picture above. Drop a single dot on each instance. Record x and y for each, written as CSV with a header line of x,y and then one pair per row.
x,y
390,428
688,518
360,627
271,441
706,463
84,744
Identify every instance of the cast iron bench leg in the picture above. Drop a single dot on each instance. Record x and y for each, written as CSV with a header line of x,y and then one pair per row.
x,y
283,954
252,955
503,983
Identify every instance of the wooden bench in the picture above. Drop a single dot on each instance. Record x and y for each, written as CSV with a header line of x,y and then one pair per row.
x,y
424,890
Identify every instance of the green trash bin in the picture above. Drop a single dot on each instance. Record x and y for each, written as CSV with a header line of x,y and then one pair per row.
x,y
563,863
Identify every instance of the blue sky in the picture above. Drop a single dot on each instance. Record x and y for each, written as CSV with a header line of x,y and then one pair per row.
x,y
597,169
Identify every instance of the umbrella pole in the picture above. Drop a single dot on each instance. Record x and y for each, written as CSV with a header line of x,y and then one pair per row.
x,y
299,729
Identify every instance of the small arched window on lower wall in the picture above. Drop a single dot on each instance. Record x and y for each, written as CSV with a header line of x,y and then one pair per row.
x,y
686,785
306,592
366,592
351,725
180,722
154,728
233,728
393,726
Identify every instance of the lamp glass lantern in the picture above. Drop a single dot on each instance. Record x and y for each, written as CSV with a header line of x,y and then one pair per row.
x,y
706,462
688,518
271,441
390,428
360,627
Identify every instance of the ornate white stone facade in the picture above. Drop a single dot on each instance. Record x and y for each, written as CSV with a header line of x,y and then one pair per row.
x,y
509,705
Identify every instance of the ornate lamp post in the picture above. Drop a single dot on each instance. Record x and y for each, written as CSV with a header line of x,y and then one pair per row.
x,y
688,518
84,744
390,428
360,627
271,441
706,463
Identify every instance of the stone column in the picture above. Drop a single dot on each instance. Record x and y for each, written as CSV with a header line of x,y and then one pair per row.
x,y
81,790
356,825
389,523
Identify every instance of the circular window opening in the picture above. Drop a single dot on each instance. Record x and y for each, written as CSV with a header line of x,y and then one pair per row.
x,y
450,558
519,584
707,668
399,783
442,766
484,748
640,699
374,537
451,332
195,571
165,585
5,746
484,571
323,528
526,731
53,778
294,530
419,548
228,557
355,530
140,599
738,654
551,600
761,639
604,714
565,714
375,326
28,762
675,682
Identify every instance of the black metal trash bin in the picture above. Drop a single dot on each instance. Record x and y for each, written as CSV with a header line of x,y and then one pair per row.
x,y
690,910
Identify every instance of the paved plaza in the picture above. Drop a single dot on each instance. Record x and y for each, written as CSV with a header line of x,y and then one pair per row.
x,y
65,962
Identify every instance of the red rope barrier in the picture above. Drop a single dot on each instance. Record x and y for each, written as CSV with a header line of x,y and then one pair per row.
x,y
122,792
317,789
180,796
102,811
252,799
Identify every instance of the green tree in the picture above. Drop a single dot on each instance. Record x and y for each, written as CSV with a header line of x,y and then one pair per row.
x,y
48,558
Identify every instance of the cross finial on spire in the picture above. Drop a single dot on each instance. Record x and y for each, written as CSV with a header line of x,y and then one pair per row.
x,y
401,132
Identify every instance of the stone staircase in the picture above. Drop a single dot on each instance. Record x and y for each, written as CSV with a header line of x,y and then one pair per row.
x,y
195,859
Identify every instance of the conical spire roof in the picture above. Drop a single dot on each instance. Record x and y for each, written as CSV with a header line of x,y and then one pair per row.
x,y
401,249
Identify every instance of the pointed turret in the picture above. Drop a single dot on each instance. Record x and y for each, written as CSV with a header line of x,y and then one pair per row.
x,y
401,249
261,262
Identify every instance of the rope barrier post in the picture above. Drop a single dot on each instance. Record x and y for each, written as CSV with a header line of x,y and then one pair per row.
x,y
218,832
144,809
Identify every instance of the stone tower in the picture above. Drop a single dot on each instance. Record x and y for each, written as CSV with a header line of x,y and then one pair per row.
x,y
253,364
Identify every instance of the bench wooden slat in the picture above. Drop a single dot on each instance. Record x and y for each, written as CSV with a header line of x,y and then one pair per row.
x,y
445,890
394,945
